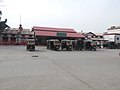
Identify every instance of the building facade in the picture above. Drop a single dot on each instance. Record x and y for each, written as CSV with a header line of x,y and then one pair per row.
x,y
15,36
113,34
44,33
98,38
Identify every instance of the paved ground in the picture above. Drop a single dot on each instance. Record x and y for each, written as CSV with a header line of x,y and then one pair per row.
x,y
62,70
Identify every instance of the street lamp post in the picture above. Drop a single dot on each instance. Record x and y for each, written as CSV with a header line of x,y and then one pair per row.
x,y
0,14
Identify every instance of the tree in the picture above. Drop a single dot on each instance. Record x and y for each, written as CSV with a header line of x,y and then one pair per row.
x,y
3,24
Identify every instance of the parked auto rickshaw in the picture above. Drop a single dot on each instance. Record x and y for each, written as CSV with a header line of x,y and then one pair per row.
x,y
30,44
112,45
53,44
90,45
66,44
79,44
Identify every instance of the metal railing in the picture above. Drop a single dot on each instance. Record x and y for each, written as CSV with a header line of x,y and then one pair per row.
x,y
12,43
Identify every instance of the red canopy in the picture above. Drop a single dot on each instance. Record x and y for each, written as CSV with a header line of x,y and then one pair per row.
x,y
45,31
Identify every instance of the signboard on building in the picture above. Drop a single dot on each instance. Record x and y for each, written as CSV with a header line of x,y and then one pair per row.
x,y
61,34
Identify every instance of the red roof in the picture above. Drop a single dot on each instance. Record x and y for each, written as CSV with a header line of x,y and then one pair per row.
x,y
46,31
77,35
36,28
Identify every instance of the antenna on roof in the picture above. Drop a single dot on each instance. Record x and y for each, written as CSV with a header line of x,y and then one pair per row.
x,y
20,26
20,19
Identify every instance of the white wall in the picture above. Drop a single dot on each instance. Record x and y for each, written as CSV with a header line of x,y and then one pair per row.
x,y
106,37
113,31
113,38
109,37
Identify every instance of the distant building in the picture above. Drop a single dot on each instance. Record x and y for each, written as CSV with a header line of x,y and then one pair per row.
x,y
95,36
113,34
98,38
90,35
113,30
44,33
14,36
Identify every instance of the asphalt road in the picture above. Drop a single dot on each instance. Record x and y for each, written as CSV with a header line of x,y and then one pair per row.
x,y
58,70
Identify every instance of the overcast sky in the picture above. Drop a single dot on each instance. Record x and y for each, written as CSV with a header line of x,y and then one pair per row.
x,y
81,15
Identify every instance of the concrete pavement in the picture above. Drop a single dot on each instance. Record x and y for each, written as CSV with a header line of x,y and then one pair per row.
x,y
58,70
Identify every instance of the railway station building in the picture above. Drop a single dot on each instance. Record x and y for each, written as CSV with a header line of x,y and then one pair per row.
x,y
42,34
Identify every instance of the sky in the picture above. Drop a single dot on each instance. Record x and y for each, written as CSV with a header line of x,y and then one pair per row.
x,y
82,15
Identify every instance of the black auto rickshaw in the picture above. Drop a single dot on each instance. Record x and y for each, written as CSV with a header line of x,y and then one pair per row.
x,y
30,45
79,44
66,44
112,45
53,44
90,45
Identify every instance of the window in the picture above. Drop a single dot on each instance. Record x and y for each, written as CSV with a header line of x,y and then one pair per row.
x,y
30,35
23,35
12,38
5,39
101,36
12,35
117,38
5,34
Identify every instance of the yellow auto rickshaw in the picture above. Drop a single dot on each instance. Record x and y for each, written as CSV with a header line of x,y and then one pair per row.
x,y
53,44
30,45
